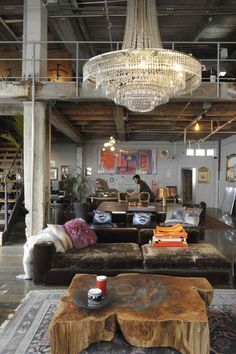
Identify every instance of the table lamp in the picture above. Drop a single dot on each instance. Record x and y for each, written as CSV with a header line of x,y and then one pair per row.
x,y
163,193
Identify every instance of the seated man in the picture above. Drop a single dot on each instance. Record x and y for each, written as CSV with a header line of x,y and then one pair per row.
x,y
141,187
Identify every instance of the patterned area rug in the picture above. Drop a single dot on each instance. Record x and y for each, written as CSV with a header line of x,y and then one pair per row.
x,y
26,331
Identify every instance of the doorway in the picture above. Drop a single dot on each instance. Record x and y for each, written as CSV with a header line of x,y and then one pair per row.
x,y
187,185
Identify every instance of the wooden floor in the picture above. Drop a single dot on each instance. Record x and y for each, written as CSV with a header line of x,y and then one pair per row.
x,y
13,290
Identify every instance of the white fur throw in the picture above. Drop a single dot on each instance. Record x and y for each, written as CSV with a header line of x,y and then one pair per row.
x,y
44,236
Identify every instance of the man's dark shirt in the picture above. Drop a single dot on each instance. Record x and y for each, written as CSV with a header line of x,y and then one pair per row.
x,y
145,188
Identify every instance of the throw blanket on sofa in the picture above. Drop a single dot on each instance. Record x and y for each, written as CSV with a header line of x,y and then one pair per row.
x,y
45,235
76,233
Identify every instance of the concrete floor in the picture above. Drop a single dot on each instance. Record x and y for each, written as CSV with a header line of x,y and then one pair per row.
x,y
13,290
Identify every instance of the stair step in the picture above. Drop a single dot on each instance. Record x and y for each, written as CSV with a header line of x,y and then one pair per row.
x,y
5,165
2,212
2,190
3,169
9,159
7,151
10,200
8,154
2,222
8,148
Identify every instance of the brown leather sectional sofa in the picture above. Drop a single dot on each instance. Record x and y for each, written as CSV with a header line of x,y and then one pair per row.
x,y
122,250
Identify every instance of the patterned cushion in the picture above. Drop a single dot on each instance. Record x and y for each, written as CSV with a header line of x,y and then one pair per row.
x,y
102,218
141,219
175,215
192,216
80,233
60,233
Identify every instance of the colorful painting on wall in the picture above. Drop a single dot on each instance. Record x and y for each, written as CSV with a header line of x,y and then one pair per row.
x,y
127,161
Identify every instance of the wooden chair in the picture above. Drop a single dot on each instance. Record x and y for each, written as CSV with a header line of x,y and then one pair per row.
x,y
122,197
144,197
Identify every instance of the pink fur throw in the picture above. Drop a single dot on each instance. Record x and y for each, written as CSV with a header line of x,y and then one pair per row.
x,y
81,235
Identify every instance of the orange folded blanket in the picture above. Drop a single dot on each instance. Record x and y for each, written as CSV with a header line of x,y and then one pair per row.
x,y
174,228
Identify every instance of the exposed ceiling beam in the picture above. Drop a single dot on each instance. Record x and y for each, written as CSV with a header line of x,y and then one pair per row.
x,y
8,29
84,29
11,109
62,124
205,20
118,114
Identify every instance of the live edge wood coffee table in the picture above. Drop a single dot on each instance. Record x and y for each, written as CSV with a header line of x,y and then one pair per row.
x,y
151,311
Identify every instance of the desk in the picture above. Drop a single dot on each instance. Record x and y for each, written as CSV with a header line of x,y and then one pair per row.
x,y
122,208
151,311
102,199
94,201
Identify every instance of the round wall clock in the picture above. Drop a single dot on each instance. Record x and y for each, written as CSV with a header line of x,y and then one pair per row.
x,y
164,154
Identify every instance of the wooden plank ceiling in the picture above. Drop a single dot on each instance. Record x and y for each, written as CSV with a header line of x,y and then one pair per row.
x,y
167,122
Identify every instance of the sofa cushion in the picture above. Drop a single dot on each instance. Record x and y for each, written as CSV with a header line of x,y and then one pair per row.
x,y
175,215
192,216
116,234
80,233
101,256
196,256
103,218
142,219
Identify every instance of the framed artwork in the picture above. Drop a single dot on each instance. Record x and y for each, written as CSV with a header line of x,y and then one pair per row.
x,y
54,173
203,175
231,168
127,161
64,171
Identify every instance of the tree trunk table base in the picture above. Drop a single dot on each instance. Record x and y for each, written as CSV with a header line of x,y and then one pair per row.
x,y
150,310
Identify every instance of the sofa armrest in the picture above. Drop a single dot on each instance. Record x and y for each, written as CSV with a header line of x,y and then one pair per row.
x,y
145,236
43,253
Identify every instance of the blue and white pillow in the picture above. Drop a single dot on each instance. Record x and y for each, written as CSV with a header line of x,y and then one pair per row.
x,y
102,218
175,216
141,219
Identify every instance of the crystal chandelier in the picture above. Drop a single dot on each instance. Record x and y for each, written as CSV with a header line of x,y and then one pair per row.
x,y
109,145
143,75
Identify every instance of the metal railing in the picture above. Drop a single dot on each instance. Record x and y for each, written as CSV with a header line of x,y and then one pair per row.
x,y
23,60
12,185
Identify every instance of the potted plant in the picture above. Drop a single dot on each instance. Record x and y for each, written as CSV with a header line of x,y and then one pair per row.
x,y
76,192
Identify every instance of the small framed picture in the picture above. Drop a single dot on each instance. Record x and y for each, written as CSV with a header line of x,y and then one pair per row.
x,y
64,171
54,173
203,175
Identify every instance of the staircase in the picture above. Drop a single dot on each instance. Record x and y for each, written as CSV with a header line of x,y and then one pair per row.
x,y
11,188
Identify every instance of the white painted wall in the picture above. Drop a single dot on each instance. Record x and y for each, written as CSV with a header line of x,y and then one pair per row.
x,y
228,146
68,154
177,160
63,154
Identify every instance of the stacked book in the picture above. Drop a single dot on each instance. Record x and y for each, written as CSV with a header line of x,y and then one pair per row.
x,y
172,236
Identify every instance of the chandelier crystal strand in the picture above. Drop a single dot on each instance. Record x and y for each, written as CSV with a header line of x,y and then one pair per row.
x,y
143,75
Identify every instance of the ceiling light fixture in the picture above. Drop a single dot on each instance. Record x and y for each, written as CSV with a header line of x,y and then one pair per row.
x,y
109,145
143,75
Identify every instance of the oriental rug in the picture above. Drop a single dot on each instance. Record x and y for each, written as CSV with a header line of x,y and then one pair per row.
x,y
26,332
